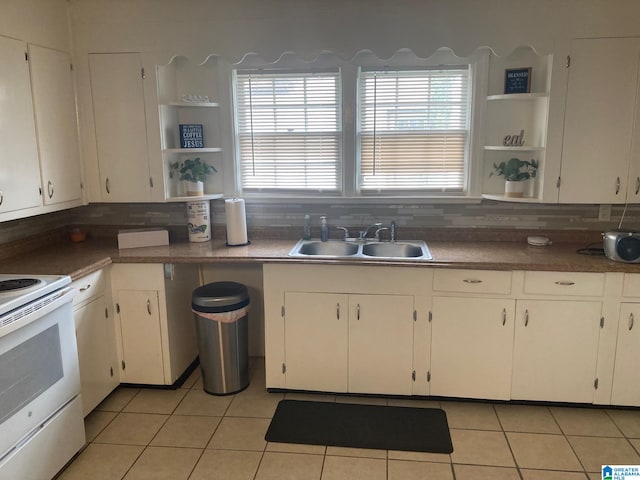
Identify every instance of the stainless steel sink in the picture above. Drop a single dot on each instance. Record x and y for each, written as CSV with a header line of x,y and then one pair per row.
x,y
392,249
410,250
330,249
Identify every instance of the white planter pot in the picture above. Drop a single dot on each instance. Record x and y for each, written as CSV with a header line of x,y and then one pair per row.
x,y
514,189
194,189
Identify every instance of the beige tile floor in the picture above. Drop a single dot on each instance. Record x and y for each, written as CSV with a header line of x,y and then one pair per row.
x,y
187,434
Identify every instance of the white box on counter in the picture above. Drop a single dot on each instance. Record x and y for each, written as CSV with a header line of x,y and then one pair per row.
x,y
144,237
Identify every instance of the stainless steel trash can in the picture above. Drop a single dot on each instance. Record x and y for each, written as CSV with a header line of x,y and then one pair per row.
x,y
220,311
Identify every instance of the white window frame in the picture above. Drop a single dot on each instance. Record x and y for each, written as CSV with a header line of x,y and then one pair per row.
x,y
478,63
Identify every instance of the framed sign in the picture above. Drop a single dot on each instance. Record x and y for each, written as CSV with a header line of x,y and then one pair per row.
x,y
191,136
517,80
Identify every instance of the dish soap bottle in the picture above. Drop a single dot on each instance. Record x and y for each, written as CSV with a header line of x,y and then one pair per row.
x,y
324,229
306,234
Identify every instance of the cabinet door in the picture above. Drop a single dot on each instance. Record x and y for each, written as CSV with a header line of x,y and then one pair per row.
x,y
141,340
19,173
626,384
555,350
472,347
598,127
381,344
95,333
121,134
56,122
316,329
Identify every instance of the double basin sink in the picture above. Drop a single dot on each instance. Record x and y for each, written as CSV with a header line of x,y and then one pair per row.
x,y
409,250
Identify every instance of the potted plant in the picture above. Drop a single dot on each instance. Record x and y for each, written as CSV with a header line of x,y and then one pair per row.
x,y
193,173
515,172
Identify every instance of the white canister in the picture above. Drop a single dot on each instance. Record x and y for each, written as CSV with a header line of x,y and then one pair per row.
x,y
199,221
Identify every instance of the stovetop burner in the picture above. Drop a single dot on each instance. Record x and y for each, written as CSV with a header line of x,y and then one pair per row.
x,y
18,283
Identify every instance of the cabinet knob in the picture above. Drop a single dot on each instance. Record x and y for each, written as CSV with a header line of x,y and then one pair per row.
x,y
504,316
630,321
50,189
1,197
84,289
358,312
338,311
637,185
526,317
472,280
149,307
565,283
617,185
106,185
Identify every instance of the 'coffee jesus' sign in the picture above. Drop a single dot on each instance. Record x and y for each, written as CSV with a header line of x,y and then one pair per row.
x,y
191,136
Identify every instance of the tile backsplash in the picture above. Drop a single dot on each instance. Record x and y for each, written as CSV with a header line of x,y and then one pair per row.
x,y
264,215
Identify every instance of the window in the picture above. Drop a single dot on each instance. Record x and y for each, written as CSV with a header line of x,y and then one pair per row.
x,y
289,131
413,130
364,127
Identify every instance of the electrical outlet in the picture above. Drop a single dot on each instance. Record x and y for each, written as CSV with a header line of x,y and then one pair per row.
x,y
604,214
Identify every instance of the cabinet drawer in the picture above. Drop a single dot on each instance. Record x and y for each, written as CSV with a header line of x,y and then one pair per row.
x,y
472,281
89,286
631,285
564,283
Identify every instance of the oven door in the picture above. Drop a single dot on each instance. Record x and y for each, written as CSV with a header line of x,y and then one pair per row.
x,y
38,366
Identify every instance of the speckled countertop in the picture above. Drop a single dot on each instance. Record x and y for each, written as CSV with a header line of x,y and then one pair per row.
x,y
79,259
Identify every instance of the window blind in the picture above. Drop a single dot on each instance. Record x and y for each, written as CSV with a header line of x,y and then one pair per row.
x,y
289,131
413,129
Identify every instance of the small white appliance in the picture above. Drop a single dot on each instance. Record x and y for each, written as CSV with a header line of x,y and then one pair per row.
x,y
41,421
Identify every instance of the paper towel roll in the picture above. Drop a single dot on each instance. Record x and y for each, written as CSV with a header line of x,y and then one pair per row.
x,y
236,221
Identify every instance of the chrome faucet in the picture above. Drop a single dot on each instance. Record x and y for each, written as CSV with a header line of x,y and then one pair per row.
x,y
377,234
392,227
365,232
346,233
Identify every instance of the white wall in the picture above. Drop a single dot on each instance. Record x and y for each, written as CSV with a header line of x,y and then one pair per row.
x,y
41,22
234,27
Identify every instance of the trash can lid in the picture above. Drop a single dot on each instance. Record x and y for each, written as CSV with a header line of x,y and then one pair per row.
x,y
220,297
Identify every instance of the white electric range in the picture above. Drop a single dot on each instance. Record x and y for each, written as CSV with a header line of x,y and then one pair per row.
x,y
41,421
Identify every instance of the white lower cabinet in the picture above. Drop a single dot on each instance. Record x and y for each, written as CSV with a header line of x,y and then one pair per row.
x,y
501,335
95,335
555,350
316,341
349,343
380,344
346,329
472,348
154,322
626,387
139,315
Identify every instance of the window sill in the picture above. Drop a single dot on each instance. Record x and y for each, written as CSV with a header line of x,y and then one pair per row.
x,y
368,200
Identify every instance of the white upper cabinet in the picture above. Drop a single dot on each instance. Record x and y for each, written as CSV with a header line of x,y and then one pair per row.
x,y
117,87
599,137
19,174
56,124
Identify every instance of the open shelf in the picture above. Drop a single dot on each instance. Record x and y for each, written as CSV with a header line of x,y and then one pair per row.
x,y
192,104
523,148
206,196
504,198
518,96
193,150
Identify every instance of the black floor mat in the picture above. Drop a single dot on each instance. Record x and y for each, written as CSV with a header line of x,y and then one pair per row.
x,y
360,426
